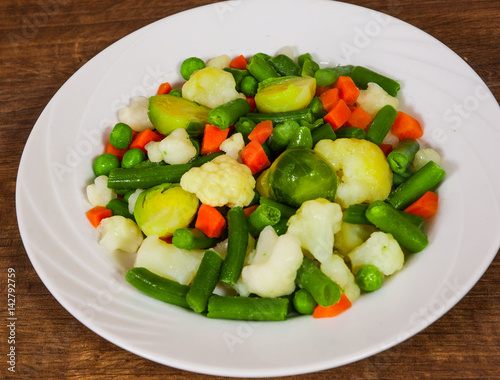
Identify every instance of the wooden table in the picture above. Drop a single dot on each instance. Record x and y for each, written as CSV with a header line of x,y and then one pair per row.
x,y
43,42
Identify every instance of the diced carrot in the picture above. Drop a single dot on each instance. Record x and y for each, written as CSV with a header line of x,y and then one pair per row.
x,y
164,88
329,98
426,206
98,213
144,138
249,210
254,156
348,91
321,89
115,151
386,148
210,221
212,138
406,126
359,118
167,240
261,131
251,101
331,311
338,115
239,62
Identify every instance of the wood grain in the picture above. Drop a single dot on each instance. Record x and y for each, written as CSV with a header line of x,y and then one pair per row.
x,y
43,42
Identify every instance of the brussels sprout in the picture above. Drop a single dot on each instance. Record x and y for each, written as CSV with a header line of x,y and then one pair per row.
x,y
285,94
298,175
162,209
169,112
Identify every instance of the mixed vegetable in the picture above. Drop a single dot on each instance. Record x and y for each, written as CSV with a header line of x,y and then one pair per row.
x,y
265,187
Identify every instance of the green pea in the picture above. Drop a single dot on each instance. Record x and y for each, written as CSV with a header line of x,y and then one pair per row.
x,y
369,278
105,163
121,136
190,65
132,157
249,85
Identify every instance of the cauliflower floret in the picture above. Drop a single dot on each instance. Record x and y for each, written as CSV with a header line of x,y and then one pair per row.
x,y
119,233
167,260
274,267
98,193
381,250
177,148
153,151
136,115
219,62
363,171
132,199
374,98
211,87
351,236
423,156
233,146
337,270
315,225
220,182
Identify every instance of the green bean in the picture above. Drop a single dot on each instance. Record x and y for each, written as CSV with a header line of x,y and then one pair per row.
x,y
227,114
316,124
157,286
261,69
143,178
324,291
401,157
247,308
190,65
302,137
417,185
120,207
200,160
381,124
350,133
398,179
281,227
356,214
309,68
362,76
285,210
236,246
238,76
280,117
284,65
325,77
205,281
316,107
262,217
322,133
244,126
191,238
176,92
387,219
304,302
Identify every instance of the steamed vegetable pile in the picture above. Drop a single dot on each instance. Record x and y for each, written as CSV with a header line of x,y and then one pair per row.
x,y
265,187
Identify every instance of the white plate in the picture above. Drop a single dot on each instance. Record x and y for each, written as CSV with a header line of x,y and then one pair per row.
x,y
460,117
